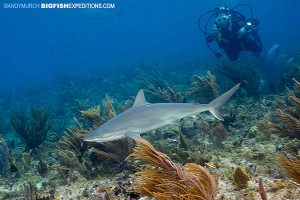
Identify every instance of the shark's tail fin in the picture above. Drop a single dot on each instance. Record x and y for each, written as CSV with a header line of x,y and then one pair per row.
x,y
216,104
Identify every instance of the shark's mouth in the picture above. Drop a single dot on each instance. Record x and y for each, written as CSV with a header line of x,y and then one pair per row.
x,y
106,137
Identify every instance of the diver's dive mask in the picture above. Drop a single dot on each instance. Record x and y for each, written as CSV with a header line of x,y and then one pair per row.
x,y
223,21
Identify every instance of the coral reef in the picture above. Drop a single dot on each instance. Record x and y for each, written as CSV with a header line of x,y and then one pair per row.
x,y
262,190
151,81
71,149
287,120
79,155
291,167
243,73
170,95
158,89
32,193
92,115
42,166
109,109
128,104
7,161
81,170
2,122
240,178
34,128
4,159
26,159
73,153
71,146
95,116
216,131
204,88
292,69
116,151
163,179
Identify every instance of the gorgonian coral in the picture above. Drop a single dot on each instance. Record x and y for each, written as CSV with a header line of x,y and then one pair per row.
x,y
291,167
33,127
164,180
287,119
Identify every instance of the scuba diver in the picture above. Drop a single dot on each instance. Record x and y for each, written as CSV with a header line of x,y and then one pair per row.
x,y
232,31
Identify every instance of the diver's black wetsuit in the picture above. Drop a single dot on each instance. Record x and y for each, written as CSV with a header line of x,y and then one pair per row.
x,y
232,41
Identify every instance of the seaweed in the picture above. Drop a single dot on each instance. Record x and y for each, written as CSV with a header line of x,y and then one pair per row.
x,y
34,128
204,88
163,179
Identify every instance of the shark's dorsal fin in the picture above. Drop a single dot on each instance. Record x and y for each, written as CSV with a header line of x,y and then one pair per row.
x,y
140,99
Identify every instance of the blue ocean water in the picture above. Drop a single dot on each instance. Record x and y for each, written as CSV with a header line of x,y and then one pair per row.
x,y
37,45
66,72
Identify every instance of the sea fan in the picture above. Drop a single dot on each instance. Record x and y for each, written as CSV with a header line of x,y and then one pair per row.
x,y
164,180
291,166
287,120
32,128
204,88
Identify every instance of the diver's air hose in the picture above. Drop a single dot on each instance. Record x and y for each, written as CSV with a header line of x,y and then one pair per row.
x,y
200,18
246,5
206,33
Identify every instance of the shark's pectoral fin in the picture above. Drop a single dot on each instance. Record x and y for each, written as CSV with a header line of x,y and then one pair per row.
x,y
134,135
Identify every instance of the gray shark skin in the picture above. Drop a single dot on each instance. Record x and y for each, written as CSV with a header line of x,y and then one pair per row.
x,y
143,117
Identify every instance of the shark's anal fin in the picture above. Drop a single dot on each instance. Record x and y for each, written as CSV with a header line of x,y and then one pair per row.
x,y
140,99
134,135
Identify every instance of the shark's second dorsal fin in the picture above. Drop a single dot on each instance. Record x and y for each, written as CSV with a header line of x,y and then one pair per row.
x,y
140,99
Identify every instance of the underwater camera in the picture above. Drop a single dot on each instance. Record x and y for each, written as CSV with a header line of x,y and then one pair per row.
x,y
213,14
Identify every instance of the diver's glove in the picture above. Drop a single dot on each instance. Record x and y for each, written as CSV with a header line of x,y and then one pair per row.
x,y
250,26
210,38
242,32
